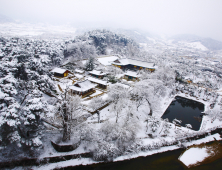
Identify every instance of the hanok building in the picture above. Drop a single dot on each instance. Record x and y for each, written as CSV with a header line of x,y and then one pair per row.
x,y
100,83
131,75
59,72
97,74
132,64
83,88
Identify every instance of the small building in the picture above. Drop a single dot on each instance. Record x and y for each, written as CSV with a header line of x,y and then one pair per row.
x,y
100,83
132,64
131,75
83,88
59,72
97,74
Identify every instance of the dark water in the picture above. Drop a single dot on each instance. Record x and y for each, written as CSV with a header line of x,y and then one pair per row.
x,y
161,161
189,111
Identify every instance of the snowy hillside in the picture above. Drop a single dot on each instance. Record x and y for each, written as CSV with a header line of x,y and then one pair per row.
x,y
209,43
197,45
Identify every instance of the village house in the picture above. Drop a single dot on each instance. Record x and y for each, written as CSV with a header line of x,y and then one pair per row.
x,y
100,83
131,75
132,64
83,88
97,74
59,72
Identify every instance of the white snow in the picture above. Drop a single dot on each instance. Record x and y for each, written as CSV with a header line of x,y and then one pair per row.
x,y
137,32
2,95
151,39
36,141
58,70
126,61
72,162
169,148
96,93
107,60
79,76
32,30
193,156
197,45
131,73
96,72
95,80
121,84
84,86
79,71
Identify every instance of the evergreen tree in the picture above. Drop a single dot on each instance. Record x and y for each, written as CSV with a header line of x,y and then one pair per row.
x,y
90,64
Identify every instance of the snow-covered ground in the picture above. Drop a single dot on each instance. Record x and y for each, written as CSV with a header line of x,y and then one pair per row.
x,y
87,161
168,148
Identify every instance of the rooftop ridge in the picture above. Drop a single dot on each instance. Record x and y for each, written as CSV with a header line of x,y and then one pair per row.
x,y
137,60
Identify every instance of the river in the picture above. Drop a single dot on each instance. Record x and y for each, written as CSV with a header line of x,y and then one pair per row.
x,y
161,161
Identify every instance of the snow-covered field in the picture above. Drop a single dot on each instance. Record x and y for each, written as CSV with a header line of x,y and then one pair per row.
x,y
36,30
197,45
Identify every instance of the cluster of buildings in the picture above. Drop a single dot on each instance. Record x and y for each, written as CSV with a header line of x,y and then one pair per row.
x,y
95,78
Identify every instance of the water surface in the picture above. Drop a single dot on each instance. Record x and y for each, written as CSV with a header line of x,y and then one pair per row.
x,y
186,110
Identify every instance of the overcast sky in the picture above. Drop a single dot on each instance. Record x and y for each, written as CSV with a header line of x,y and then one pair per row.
x,y
199,17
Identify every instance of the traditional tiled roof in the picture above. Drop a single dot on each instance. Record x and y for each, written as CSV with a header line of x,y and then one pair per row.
x,y
83,86
126,61
131,73
58,70
99,81
107,60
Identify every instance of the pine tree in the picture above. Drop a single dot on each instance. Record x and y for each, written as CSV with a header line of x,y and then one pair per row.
x,y
90,64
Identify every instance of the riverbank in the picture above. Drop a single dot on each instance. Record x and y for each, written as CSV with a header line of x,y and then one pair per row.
x,y
164,160
87,163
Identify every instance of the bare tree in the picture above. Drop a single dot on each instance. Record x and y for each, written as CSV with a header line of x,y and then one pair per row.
x,y
118,96
69,110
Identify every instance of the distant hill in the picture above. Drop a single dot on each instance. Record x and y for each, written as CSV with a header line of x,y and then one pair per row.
x,y
101,42
138,35
209,43
5,19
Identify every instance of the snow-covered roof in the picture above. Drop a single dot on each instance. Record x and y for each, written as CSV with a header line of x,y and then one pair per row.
x,y
58,70
99,81
131,73
79,71
126,61
84,86
107,60
95,72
